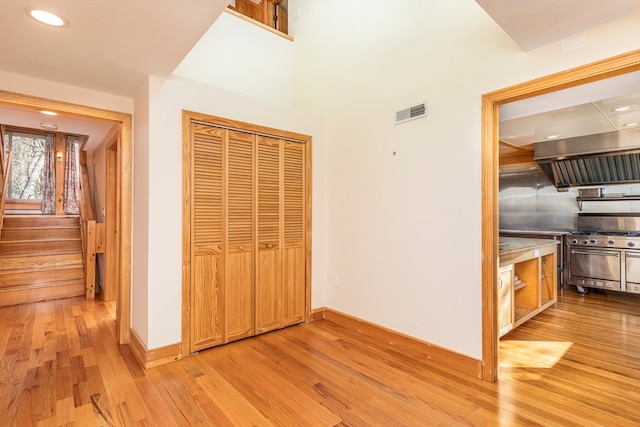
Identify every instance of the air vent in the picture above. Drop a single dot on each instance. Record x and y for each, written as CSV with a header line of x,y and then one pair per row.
x,y
411,113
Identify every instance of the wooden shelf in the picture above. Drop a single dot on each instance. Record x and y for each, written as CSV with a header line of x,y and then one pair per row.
x,y
606,199
530,273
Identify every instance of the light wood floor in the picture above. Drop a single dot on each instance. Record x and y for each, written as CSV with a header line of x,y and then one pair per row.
x,y
575,364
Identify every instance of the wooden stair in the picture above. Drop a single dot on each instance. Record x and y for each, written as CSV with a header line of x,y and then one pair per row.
x,y
40,259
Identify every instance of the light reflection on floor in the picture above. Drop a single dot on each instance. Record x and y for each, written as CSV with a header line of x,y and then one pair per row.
x,y
531,354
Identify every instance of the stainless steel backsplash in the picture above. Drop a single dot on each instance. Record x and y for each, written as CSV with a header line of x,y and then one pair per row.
x,y
529,201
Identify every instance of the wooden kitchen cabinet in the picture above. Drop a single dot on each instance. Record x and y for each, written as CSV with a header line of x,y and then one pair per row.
x,y
505,299
533,267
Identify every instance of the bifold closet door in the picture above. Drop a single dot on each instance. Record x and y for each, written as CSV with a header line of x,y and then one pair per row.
x,y
239,250
207,298
269,229
248,251
280,268
295,223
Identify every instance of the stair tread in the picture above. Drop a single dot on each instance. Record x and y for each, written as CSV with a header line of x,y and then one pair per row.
x,y
39,268
43,285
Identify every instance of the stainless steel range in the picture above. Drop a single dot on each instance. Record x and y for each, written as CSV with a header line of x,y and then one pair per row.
x,y
607,259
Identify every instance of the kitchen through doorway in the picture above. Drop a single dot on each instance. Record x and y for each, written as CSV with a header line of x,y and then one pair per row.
x,y
491,102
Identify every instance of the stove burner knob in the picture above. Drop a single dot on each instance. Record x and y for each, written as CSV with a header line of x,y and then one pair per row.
x,y
631,244
574,242
611,242
585,242
592,241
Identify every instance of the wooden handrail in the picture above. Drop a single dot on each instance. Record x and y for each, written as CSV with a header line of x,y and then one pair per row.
x,y
90,230
5,183
5,165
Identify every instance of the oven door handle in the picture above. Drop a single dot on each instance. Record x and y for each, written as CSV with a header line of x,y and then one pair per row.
x,y
601,253
632,255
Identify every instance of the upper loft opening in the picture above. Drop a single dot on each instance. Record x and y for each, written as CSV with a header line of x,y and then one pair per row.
x,y
272,13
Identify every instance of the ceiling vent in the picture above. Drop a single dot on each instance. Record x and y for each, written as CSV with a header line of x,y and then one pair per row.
x,y
411,113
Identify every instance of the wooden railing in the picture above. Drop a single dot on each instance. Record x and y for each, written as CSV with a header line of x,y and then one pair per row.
x,y
92,232
5,166
270,13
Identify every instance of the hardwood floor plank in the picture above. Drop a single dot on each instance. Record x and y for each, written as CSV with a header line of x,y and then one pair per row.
x,y
236,409
574,364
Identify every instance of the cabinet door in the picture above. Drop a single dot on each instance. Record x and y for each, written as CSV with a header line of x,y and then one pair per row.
x,y
505,300
269,259
207,290
240,296
295,223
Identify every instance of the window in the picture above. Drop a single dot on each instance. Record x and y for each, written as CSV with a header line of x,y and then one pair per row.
x,y
26,180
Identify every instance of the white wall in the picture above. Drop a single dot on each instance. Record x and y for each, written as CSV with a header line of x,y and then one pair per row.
x,y
140,268
404,230
157,257
60,92
240,56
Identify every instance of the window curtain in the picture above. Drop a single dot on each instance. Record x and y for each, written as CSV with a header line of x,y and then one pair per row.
x,y
49,176
71,177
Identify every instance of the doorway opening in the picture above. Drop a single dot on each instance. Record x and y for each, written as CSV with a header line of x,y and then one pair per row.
x,y
123,166
491,102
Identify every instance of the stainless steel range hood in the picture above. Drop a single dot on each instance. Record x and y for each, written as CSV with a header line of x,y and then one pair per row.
x,y
606,158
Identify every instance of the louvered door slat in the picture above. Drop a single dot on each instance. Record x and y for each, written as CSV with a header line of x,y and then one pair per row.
x,y
268,190
293,192
240,190
207,192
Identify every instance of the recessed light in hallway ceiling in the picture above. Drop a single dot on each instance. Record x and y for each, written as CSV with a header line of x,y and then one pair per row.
x,y
47,18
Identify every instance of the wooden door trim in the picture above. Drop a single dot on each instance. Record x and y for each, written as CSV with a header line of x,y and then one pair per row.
x,y
123,314
112,219
599,70
187,217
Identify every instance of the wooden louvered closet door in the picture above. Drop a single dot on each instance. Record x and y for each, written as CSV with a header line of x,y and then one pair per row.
x,y
207,295
293,297
269,264
248,256
239,275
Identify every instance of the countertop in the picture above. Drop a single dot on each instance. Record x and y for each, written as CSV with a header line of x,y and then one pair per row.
x,y
510,245
535,232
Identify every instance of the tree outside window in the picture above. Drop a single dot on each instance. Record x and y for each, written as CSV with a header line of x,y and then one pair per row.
x,y
26,181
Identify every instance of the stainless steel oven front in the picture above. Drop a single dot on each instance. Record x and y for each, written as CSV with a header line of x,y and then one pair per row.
x,y
596,268
605,261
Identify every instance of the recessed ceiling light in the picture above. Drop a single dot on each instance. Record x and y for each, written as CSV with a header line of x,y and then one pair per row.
x,y
47,17
49,113
552,136
624,108
630,125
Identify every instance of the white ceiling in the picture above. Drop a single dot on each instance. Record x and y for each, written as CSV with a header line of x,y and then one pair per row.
x,y
109,46
536,23
112,45
578,111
